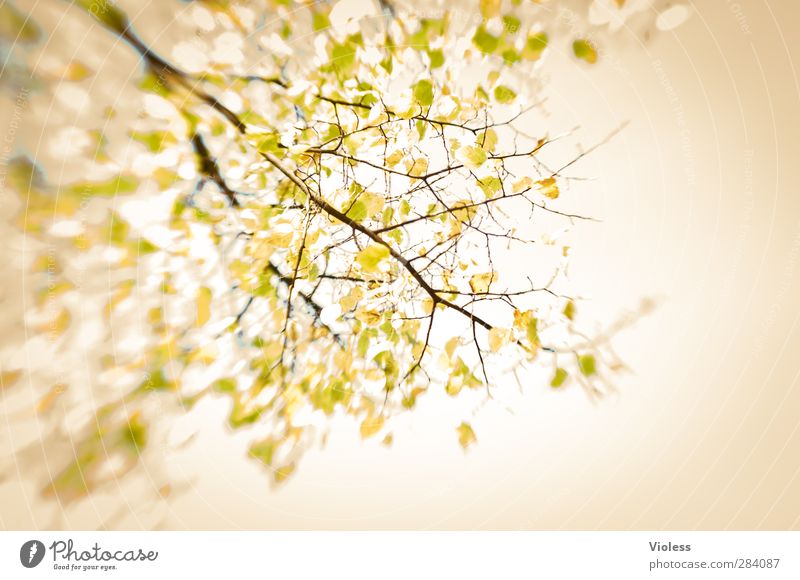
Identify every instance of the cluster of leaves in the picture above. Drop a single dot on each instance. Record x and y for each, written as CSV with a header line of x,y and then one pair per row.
x,y
334,230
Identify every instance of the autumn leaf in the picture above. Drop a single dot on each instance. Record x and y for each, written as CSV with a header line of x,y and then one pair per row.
x,y
203,305
480,283
498,338
48,400
487,140
521,184
370,426
417,167
548,187
8,378
282,473
466,436
490,8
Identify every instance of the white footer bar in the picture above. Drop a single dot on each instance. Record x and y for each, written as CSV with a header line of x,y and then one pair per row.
x,y
401,555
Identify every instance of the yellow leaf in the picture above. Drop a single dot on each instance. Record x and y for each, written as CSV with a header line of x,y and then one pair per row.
x,y
490,8
480,282
466,436
282,473
373,201
59,324
450,346
454,385
498,338
369,317
349,302
418,168
8,378
370,426
521,318
46,402
121,293
395,158
203,305
521,184
75,71
488,140
548,187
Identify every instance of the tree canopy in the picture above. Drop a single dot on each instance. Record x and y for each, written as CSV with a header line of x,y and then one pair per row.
x,y
304,215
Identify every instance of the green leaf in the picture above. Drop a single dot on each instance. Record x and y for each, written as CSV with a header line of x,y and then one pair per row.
x,y
155,141
373,202
358,211
343,57
510,56
504,95
134,433
371,257
471,156
487,140
437,58
263,451
534,46
16,27
319,21
117,184
587,365
265,142
485,41
224,385
559,378
569,310
511,23
584,50
491,186
106,13
532,331
423,93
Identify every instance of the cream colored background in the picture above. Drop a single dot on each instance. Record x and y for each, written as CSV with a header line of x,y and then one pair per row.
x,y
700,201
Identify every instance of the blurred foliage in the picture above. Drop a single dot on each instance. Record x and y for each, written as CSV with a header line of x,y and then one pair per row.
x,y
338,187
